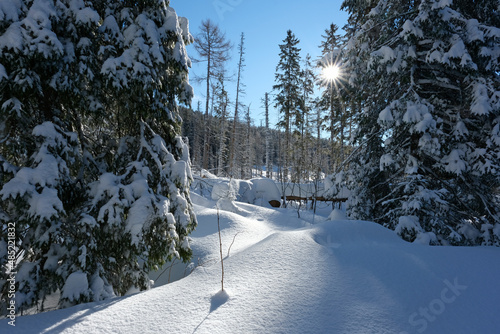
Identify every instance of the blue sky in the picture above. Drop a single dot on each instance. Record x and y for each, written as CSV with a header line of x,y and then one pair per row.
x,y
265,24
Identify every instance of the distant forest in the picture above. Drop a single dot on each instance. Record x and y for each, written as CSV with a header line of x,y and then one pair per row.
x,y
251,153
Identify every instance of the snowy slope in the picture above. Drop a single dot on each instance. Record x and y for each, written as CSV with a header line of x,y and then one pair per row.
x,y
287,275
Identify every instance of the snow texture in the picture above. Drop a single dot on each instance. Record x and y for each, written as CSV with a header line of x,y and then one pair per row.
x,y
46,174
385,116
223,190
442,4
265,189
10,10
286,275
3,73
386,160
76,285
454,162
481,104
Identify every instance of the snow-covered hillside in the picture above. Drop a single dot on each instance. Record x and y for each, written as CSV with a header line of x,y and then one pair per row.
x,y
309,275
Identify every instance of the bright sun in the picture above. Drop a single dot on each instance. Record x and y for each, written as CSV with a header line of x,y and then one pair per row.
x,y
330,73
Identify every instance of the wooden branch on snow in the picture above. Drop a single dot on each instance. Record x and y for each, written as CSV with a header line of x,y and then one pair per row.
x,y
312,198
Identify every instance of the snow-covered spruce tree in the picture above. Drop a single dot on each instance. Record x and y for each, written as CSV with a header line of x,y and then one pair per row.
x,y
40,161
96,188
139,213
428,136
364,177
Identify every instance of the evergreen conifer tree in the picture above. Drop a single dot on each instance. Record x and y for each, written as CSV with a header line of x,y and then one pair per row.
x,y
268,160
93,173
331,95
40,182
220,112
302,121
288,91
428,134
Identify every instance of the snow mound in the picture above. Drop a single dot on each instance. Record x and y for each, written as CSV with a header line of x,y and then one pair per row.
x,y
337,215
357,233
265,191
332,277
223,190
219,299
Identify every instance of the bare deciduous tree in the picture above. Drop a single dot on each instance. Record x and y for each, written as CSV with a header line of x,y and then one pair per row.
x,y
213,48
239,90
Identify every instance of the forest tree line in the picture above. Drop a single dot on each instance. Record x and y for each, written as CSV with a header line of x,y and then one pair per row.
x,y
258,147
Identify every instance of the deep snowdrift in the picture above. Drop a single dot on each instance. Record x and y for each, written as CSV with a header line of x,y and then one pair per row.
x,y
287,275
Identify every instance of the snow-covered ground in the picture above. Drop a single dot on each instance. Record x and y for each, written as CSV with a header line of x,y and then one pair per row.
x,y
308,275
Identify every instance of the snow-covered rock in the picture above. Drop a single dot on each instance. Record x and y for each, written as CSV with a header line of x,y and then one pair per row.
x,y
265,191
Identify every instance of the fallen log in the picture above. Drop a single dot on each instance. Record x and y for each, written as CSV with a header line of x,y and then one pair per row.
x,y
312,198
